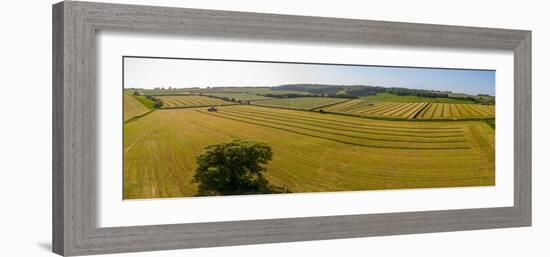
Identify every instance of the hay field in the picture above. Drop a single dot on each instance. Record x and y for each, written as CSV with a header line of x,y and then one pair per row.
x,y
190,101
313,152
239,96
304,103
133,107
386,97
414,110
439,110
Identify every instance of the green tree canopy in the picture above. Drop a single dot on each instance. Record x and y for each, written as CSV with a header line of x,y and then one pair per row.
x,y
234,168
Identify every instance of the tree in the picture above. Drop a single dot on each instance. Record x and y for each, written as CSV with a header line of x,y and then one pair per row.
x,y
234,168
158,104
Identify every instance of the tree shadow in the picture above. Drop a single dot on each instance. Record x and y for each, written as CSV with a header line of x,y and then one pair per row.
x,y
256,186
265,188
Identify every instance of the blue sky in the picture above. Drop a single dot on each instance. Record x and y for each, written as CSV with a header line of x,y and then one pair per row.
x,y
181,73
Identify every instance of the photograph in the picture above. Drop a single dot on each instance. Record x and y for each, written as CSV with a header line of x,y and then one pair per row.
x,y
209,127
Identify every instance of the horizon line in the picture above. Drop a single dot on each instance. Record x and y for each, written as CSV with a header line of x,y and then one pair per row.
x,y
209,87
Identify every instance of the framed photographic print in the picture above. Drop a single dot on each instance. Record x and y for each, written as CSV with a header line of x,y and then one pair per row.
x,y
183,128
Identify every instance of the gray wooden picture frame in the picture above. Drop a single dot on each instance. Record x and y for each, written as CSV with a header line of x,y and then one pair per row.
x,y
74,126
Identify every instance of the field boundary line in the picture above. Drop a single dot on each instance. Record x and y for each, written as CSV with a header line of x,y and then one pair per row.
x,y
421,109
415,112
137,117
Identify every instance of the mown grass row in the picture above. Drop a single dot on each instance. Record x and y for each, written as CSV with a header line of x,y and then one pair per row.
x,y
343,105
449,111
414,110
335,139
303,103
350,122
238,96
350,128
422,140
346,132
190,101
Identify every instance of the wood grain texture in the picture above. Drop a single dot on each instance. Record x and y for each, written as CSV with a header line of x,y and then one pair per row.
x,y
522,129
74,121
58,231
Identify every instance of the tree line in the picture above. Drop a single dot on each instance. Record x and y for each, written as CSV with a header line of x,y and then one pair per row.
x,y
355,91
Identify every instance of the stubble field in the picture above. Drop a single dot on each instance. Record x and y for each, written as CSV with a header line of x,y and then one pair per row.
x,y
301,103
313,152
414,110
133,107
190,101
